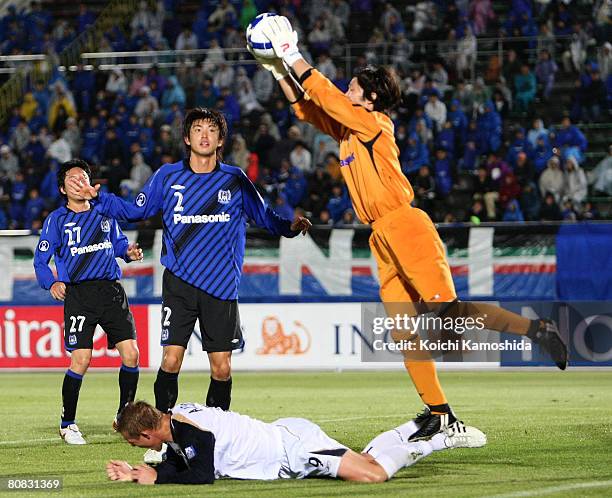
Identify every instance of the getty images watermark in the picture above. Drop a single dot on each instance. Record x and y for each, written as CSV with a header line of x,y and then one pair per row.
x,y
446,332
416,333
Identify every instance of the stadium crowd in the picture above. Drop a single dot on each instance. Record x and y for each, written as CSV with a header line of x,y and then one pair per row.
x,y
471,145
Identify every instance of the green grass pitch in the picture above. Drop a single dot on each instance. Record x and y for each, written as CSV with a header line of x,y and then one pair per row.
x,y
550,432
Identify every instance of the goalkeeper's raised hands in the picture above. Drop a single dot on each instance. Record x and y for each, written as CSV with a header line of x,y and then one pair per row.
x,y
284,39
275,66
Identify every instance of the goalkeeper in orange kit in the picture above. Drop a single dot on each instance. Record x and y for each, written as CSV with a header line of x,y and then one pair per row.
x,y
411,261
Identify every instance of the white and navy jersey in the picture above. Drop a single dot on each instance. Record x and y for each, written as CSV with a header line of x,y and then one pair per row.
x,y
204,222
84,246
244,448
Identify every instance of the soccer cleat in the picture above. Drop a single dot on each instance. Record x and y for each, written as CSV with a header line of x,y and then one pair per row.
x,y
421,417
430,424
152,457
459,435
550,340
72,435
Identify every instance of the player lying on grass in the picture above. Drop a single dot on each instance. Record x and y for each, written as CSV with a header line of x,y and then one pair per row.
x,y
204,205
84,243
206,443
411,259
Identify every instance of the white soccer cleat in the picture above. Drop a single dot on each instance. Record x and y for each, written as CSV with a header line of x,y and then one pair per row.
x,y
152,457
72,435
459,435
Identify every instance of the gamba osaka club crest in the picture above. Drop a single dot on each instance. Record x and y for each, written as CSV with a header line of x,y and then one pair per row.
x,y
141,199
224,196
105,225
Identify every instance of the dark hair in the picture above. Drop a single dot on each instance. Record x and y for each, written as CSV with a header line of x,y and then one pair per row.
x,y
67,166
205,114
379,81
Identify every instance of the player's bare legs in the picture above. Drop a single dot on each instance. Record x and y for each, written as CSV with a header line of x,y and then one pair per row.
x,y
220,365
172,358
128,350
79,361
361,468
220,387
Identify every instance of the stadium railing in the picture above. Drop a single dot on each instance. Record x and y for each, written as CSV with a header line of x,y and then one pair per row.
x,y
347,53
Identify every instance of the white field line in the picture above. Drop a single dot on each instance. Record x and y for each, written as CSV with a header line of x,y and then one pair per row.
x,y
367,417
556,489
49,439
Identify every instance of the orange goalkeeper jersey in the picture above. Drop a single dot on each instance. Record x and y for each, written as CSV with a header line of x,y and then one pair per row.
x,y
369,156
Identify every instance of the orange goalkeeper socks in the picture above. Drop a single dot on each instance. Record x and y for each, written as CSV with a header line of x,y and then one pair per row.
x,y
425,378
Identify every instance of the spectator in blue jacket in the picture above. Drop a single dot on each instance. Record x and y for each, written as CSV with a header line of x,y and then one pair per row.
x,y
519,144
443,173
131,132
93,138
545,71
458,119
4,220
570,140
338,203
469,161
19,190
535,132
48,187
542,153
33,208
530,201
525,85
34,152
446,140
414,155
173,94
295,185
419,115
85,18
83,88
489,127
513,212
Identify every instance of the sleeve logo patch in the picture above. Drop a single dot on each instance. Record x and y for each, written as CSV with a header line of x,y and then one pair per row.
x,y
141,199
190,452
43,246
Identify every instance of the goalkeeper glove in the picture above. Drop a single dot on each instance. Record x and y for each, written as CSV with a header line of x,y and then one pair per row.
x,y
284,39
275,66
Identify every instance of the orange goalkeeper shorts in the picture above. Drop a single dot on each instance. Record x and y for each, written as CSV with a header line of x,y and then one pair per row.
x,y
411,259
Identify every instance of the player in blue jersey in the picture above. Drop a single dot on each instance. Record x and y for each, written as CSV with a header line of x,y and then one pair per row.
x,y
84,244
205,205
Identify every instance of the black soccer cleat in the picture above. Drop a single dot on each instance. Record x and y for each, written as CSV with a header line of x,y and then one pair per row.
x,y
549,339
421,417
430,424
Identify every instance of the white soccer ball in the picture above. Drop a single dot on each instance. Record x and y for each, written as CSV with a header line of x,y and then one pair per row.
x,y
256,40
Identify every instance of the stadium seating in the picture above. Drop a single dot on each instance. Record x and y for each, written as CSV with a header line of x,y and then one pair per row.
x,y
264,133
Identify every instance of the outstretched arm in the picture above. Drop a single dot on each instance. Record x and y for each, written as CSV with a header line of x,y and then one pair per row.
x,y
304,108
146,204
255,208
123,249
322,92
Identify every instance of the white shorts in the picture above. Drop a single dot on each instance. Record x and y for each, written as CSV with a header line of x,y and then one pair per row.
x,y
309,452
